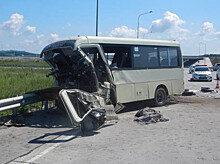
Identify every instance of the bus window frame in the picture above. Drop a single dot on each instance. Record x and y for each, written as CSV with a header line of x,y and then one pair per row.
x,y
179,56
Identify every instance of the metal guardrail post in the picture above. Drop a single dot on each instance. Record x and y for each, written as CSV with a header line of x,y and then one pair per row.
x,y
45,105
15,111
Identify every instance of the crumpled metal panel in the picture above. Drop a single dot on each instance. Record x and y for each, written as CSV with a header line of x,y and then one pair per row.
x,y
84,109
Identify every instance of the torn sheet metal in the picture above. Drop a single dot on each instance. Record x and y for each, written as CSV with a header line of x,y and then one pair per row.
x,y
85,109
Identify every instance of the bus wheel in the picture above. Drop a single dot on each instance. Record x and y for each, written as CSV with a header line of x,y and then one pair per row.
x,y
160,97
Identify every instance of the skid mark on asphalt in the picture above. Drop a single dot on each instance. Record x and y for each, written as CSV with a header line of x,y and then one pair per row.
x,y
42,150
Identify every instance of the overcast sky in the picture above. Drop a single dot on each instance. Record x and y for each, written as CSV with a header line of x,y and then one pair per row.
x,y
32,24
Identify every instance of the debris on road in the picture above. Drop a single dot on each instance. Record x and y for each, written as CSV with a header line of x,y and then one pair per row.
x,y
148,116
187,92
206,89
17,121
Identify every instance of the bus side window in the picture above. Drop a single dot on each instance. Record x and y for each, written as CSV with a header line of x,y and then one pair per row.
x,y
173,57
145,57
168,57
153,58
153,62
116,62
164,59
119,56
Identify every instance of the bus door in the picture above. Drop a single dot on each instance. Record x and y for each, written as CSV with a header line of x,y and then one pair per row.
x,y
95,54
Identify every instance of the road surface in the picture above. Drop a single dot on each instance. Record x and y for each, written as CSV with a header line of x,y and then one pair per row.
x,y
192,135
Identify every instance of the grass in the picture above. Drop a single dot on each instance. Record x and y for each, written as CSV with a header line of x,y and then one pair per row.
x,y
18,81
23,63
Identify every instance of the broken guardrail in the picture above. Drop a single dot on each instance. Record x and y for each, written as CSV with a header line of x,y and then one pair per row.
x,y
15,102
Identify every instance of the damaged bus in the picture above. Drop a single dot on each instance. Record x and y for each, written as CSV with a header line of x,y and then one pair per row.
x,y
96,73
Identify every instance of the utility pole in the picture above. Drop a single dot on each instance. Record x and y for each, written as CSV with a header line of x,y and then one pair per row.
x,y
139,20
97,17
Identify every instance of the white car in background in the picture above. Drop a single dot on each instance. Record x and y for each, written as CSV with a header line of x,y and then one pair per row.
x,y
202,73
218,74
192,67
216,66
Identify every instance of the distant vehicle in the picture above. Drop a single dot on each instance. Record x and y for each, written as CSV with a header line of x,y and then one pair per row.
x,y
218,74
202,73
192,67
216,66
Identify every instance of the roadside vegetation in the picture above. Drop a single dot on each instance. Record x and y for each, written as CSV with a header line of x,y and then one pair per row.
x,y
18,81
17,63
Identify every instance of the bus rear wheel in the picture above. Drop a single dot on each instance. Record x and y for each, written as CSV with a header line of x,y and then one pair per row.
x,y
160,97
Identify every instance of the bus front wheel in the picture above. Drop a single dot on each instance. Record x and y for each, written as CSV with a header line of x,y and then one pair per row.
x,y
160,97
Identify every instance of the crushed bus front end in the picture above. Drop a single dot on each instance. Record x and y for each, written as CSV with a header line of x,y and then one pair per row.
x,y
86,100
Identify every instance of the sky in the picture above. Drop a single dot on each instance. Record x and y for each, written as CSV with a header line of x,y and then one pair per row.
x,y
30,25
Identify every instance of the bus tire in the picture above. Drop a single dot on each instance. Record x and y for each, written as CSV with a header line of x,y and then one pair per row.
x,y
87,125
160,97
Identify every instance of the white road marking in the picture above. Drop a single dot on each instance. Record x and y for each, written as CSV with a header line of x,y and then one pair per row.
x,y
43,153
47,150
42,150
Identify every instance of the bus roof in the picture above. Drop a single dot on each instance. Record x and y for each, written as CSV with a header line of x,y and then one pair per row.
x,y
75,42
130,41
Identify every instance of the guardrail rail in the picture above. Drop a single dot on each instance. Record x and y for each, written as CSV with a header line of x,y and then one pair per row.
x,y
15,102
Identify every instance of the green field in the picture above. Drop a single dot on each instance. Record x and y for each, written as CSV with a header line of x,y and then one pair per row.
x,y
22,63
17,81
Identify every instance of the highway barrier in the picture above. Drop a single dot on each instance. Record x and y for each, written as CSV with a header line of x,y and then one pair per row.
x,y
15,102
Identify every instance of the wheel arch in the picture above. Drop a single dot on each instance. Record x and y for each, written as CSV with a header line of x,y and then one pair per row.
x,y
164,87
153,87
162,99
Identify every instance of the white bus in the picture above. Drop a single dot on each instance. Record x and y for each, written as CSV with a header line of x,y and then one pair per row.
x,y
132,69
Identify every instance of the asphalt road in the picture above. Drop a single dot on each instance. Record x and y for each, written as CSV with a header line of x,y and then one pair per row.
x,y
196,85
192,135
